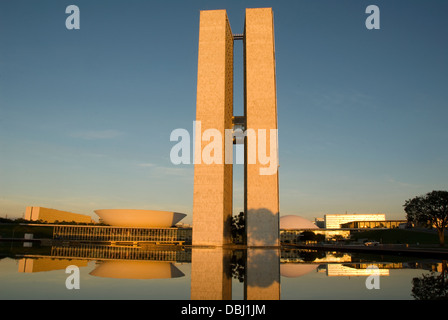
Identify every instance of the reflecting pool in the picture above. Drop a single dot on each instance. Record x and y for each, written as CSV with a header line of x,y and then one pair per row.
x,y
126,272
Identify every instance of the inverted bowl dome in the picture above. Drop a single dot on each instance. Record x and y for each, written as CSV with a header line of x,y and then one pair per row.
x,y
139,218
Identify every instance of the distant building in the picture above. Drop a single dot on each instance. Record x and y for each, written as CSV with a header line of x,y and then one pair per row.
x,y
334,221
294,229
53,215
388,224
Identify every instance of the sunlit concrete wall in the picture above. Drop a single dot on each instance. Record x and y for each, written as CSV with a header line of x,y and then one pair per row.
x,y
262,196
52,215
212,200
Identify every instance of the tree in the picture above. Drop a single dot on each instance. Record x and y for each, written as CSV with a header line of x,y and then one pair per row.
x,y
430,210
307,236
238,264
431,286
237,227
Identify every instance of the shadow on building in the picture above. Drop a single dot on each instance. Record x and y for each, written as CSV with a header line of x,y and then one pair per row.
x,y
259,225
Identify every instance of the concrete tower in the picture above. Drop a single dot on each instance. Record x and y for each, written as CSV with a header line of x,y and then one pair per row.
x,y
213,182
261,188
213,178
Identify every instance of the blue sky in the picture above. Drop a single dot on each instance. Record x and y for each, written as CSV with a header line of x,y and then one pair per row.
x,y
86,115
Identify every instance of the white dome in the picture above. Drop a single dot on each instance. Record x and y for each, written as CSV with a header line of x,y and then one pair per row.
x,y
292,222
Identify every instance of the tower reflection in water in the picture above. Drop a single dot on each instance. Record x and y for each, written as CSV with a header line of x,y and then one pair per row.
x,y
211,274
211,278
262,280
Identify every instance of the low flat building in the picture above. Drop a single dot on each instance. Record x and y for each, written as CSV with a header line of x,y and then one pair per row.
x,y
53,215
333,227
384,224
334,221
123,235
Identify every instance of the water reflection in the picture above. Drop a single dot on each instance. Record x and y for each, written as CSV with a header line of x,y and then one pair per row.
x,y
433,286
262,274
210,274
259,271
294,270
118,269
136,270
42,264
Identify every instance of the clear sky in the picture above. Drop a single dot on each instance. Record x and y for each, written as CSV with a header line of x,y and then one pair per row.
x,y
86,115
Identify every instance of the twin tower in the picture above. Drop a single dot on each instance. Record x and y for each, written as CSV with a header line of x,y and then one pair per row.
x,y
213,180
